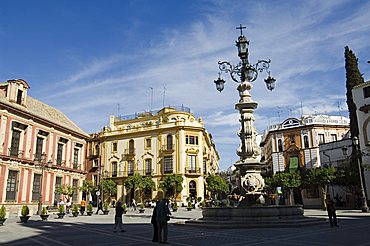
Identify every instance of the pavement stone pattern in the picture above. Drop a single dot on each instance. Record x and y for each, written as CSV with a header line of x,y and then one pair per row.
x,y
98,230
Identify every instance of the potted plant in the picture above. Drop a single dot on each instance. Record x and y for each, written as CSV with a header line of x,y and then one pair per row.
x,y
124,206
2,215
190,206
105,208
61,212
142,208
89,210
174,207
25,214
44,214
75,210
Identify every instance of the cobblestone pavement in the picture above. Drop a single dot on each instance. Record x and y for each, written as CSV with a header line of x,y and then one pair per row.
x,y
98,230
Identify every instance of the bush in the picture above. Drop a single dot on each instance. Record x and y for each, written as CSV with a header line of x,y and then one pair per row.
x,y
2,212
75,208
89,207
105,206
142,205
25,210
44,211
190,205
124,206
174,205
61,209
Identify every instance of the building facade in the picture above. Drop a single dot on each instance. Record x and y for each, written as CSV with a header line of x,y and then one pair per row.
x,y
40,150
156,144
294,145
361,98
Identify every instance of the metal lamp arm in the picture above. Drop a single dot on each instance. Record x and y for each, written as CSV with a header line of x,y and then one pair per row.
x,y
227,67
262,65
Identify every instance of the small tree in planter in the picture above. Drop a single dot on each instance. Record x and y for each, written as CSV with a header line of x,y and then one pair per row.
x,y
61,212
2,215
75,210
124,206
25,214
89,209
174,206
105,208
142,208
44,214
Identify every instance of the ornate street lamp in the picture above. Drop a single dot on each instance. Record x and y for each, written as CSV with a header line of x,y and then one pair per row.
x,y
42,164
244,73
357,152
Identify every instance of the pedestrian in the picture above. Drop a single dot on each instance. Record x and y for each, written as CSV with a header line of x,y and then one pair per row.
x,y
100,206
118,217
330,207
154,223
83,206
163,216
68,205
133,204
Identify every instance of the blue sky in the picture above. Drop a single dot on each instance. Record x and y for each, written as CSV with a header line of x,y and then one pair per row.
x,y
85,57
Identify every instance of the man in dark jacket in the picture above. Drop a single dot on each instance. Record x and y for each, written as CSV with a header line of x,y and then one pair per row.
x,y
154,223
163,215
118,217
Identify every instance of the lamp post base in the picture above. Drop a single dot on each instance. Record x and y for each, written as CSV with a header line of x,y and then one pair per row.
x,y
365,209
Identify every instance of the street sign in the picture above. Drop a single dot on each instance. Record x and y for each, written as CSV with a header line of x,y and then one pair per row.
x,y
97,193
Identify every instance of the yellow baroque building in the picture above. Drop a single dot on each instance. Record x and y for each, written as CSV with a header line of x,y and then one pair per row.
x,y
156,144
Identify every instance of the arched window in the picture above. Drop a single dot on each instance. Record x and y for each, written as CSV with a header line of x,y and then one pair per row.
x,y
280,145
169,142
193,189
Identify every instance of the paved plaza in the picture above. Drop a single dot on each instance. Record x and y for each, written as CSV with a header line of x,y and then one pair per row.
x,y
98,230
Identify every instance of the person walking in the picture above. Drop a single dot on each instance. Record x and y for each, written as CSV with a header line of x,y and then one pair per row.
x,y
118,217
163,216
330,207
83,206
100,206
154,223
133,204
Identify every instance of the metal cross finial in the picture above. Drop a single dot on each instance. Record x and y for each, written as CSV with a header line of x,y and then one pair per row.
x,y
241,29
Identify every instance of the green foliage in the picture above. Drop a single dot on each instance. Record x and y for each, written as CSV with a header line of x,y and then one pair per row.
x,y
25,210
44,211
105,206
199,199
142,205
2,212
89,207
87,186
61,209
190,205
75,208
172,185
66,190
284,180
108,187
320,176
217,185
348,179
174,205
148,183
354,78
124,206
140,183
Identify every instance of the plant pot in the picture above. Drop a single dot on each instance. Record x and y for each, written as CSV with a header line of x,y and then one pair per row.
x,y
2,221
141,210
189,209
75,214
24,219
105,212
44,216
60,215
174,209
89,213
125,211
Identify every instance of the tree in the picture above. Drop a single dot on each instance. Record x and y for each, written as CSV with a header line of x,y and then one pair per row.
x,y
108,187
354,78
148,184
172,185
217,185
321,177
135,182
288,181
66,190
87,186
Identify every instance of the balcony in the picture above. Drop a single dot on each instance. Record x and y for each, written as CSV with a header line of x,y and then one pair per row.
x,y
195,171
168,148
129,153
16,153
